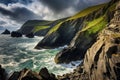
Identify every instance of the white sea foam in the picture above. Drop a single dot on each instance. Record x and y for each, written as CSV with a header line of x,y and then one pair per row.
x,y
18,53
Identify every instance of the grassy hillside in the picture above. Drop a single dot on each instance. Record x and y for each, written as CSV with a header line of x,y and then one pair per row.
x,y
78,15
87,11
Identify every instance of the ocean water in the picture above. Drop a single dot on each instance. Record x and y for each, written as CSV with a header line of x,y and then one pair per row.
x,y
19,53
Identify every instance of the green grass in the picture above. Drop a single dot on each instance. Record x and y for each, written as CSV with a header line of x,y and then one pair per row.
x,y
87,11
38,28
93,23
95,26
54,28
80,14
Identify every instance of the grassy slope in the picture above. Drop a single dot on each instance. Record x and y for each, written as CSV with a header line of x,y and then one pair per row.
x,y
46,25
38,28
78,15
98,24
87,11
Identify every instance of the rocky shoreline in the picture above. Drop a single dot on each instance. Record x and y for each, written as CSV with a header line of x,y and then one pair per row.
x,y
101,59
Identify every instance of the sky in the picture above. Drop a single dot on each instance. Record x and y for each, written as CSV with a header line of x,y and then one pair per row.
x,y
13,13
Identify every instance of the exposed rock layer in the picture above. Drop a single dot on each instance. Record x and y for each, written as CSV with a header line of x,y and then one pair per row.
x,y
83,40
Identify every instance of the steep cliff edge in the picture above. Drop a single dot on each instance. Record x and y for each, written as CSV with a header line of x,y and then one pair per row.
x,y
102,59
31,26
87,36
38,27
62,33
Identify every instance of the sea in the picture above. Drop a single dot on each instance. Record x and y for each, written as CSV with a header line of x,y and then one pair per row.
x,y
19,53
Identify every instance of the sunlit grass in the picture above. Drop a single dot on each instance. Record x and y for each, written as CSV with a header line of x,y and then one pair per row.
x,y
87,11
38,28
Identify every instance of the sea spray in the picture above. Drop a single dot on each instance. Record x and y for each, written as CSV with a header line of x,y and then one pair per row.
x,y
19,53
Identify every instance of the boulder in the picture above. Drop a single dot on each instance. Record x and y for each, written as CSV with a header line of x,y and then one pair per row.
x,y
30,35
6,32
46,75
16,34
3,74
25,74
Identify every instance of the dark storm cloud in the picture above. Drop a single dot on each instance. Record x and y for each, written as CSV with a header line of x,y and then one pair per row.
x,y
6,12
61,5
19,14
15,1
58,5
2,22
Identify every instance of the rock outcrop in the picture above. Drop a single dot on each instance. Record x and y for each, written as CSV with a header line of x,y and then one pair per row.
x,y
30,25
27,74
3,74
30,35
16,34
84,38
6,32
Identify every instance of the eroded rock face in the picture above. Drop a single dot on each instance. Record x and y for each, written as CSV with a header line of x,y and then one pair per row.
x,y
80,43
102,60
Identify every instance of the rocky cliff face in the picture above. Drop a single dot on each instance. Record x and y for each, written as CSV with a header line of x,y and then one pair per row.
x,y
87,36
30,25
102,59
62,36
67,29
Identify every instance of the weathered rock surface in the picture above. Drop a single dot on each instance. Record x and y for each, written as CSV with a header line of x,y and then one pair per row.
x,y
62,36
27,74
16,34
102,59
6,32
81,42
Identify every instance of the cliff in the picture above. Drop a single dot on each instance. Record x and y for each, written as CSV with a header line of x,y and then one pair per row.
x,y
38,27
102,59
63,32
85,37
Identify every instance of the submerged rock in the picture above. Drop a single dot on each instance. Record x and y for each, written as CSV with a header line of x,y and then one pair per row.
x,y
16,34
6,32
30,35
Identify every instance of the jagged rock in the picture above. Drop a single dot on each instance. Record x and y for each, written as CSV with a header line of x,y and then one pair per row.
x,y
30,35
16,34
27,74
46,75
3,74
6,32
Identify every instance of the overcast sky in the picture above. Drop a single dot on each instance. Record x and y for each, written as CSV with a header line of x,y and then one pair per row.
x,y
13,13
